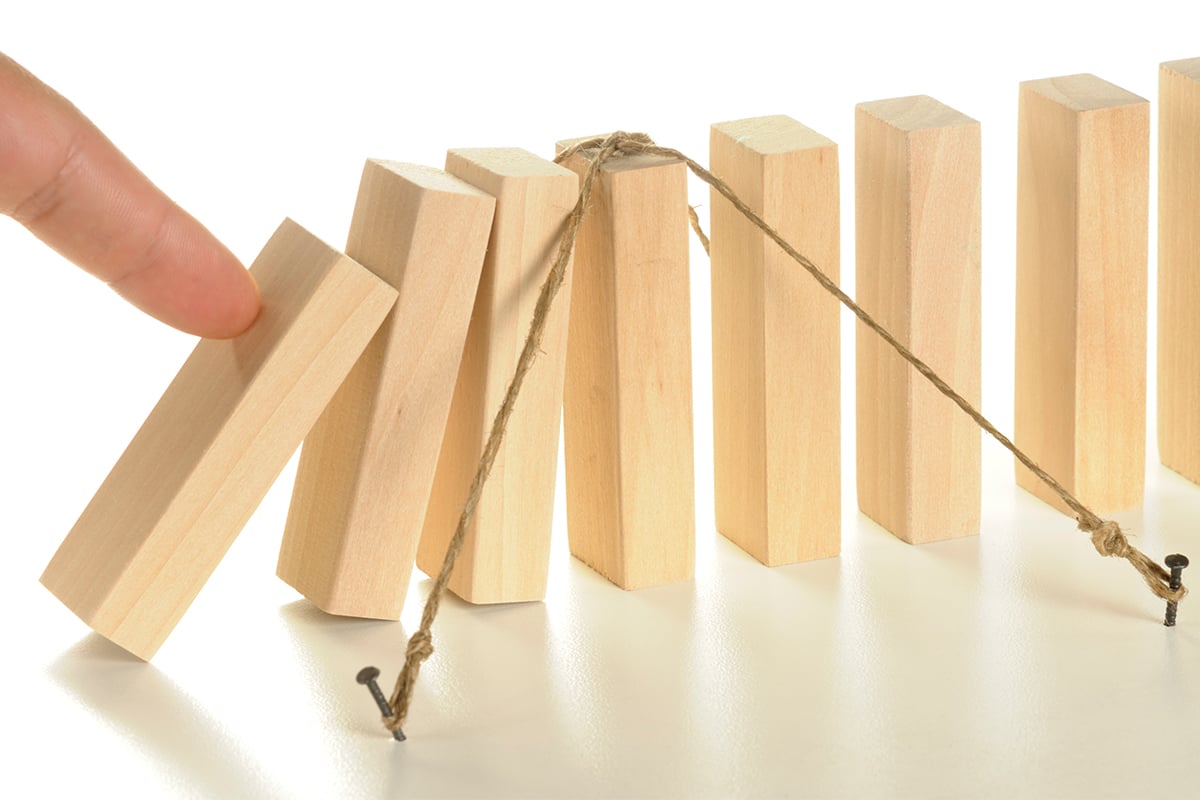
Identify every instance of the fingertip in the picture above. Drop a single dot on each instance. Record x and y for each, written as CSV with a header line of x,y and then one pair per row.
x,y
194,284
229,310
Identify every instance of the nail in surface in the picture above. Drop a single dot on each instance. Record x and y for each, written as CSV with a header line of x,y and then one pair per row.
x,y
366,676
1175,563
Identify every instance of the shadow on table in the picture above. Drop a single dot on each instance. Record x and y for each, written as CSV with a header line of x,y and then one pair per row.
x,y
488,682
332,649
141,702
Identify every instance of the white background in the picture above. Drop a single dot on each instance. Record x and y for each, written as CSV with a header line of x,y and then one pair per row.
x,y
1016,663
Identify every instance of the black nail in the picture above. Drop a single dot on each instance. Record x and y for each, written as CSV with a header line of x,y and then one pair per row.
x,y
1175,563
367,676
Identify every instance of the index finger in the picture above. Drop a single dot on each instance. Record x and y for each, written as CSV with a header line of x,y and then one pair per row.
x,y
69,185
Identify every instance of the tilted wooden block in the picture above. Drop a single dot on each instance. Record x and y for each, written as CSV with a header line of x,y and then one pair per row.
x,y
215,443
627,405
506,555
367,467
1179,267
1082,206
776,415
917,206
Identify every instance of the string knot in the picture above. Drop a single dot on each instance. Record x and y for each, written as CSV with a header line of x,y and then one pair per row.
x,y
1108,539
420,646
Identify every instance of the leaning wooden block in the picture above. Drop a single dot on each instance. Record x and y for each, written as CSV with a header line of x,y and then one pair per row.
x,y
1082,206
627,406
1179,267
215,443
917,205
776,415
367,467
506,555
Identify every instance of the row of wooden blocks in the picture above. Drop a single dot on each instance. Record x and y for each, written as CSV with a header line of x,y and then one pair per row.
x,y
391,360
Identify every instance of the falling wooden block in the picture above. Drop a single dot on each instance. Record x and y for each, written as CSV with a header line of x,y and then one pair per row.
x,y
367,467
506,555
215,443
627,406
1179,267
917,205
776,415
1082,205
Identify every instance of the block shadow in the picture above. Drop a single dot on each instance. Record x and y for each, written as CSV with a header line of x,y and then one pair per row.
x,y
142,702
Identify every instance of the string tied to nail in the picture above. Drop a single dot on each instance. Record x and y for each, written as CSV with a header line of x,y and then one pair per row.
x,y
420,648
1109,540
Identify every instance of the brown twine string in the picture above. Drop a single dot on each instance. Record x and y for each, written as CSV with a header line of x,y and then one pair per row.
x,y
1106,535
420,645
695,220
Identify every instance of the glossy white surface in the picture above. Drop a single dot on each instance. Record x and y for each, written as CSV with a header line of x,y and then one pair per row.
x,y
1014,664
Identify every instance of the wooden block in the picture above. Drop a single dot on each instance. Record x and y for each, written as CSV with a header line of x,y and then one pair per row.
x,y
627,405
506,555
917,205
1179,267
776,415
215,443
1082,206
367,467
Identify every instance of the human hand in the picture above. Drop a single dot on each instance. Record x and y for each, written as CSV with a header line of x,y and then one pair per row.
x,y
67,183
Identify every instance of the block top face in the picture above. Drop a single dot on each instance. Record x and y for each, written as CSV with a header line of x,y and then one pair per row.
x,y
621,163
509,162
916,113
1083,92
771,135
429,178
1188,67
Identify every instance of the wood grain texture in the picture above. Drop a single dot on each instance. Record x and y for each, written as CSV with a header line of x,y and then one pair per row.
x,y
1082,206
1179,267
776,346
917,207
506,555
215,443
627,406
367,467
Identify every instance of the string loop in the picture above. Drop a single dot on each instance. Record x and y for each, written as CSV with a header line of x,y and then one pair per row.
x,y
1107,536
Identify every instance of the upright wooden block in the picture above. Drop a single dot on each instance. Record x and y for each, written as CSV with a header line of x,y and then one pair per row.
x,y
215,443
1082,205
506,555
1179,267
627,406
367,467
776,414
917,204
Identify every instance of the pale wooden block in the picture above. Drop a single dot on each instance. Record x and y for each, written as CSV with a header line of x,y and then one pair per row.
x,y
917,205
506,555
627,406
1082,206
215,443
367,467
776,414
1179,267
